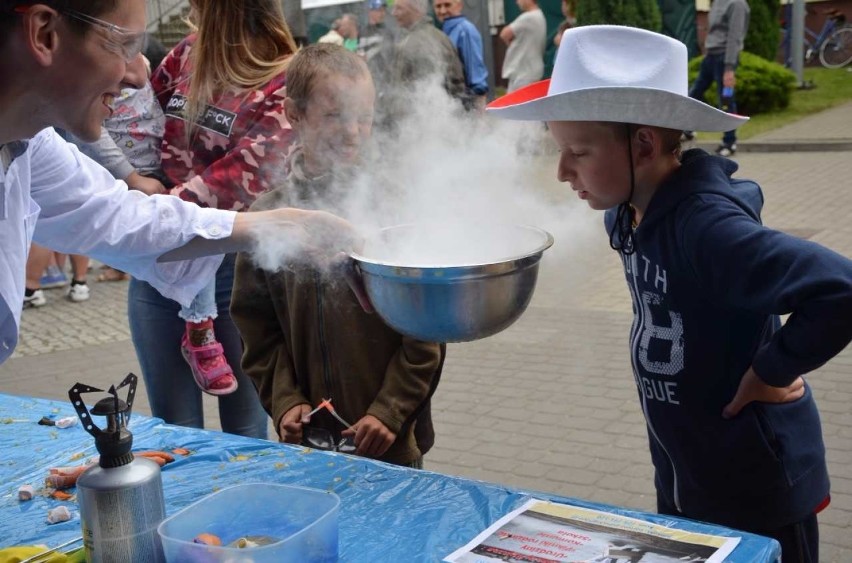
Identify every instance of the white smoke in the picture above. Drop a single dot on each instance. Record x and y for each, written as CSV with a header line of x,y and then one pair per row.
x,y
463,179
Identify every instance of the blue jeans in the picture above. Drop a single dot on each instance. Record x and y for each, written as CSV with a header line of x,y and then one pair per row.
x,y
712,69
156,331
203,307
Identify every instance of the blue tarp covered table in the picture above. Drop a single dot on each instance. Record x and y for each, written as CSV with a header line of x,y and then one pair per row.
x,y
388,513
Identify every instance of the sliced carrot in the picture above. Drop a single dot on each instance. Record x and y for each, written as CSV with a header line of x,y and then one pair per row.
x,y
180,451
156,459
64,477
207,539
61,495
167,457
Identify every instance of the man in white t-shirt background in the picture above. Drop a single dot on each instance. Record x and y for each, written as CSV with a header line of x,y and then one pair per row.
x,y
527,39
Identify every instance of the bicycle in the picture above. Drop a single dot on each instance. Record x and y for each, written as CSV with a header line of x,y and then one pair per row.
x,y
833,43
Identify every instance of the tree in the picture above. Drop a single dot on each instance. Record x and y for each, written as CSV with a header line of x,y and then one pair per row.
x,y
635,13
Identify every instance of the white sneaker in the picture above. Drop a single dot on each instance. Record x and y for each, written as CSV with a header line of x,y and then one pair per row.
x,y
726,150
78,292
37,299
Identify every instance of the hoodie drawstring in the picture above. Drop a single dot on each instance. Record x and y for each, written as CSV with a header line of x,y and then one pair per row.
x,y
625,215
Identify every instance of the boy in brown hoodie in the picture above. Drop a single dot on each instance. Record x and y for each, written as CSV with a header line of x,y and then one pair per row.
x,y
307,339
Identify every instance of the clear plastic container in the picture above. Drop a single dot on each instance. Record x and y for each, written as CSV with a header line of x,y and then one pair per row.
x,y
302,523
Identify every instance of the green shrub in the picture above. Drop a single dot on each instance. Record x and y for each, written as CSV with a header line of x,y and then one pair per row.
x,y
764,33
762,86
635,13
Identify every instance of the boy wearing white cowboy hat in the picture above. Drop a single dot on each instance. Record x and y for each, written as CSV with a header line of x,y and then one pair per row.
x,y
734,431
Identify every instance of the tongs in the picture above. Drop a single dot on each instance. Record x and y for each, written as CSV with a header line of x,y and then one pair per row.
x,y
326,404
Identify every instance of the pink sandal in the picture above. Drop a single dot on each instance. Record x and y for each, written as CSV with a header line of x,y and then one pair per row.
x,y
209,367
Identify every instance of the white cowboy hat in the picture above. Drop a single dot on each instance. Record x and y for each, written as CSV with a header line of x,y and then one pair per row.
x,y
619,74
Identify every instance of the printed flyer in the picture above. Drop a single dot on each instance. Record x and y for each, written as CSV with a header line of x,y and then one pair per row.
x,y
546,532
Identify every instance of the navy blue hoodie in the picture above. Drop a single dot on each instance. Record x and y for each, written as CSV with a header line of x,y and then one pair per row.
x,y
708,282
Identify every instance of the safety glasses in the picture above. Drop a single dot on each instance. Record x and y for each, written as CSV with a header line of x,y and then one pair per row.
x,y
121,41
322,439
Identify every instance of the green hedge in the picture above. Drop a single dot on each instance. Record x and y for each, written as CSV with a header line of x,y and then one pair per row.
x,y
762,86
635,13
764,33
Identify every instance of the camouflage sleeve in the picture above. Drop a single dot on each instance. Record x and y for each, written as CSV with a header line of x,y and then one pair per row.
x,y
167,75
235,180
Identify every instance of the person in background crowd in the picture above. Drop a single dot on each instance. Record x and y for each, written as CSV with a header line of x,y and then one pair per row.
x,y
468,43
375,44
69,60
333,36
421,52
46,270
306,338
569,21
343,32
349,31
527,40
728,26
295,18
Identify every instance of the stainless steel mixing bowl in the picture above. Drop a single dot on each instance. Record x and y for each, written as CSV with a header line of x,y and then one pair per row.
x,y
454,303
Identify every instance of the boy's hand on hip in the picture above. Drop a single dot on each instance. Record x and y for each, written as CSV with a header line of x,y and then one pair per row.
x,y
372,437
290,427
752,388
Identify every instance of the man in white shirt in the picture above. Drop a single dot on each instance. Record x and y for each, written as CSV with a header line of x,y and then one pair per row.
x,y
62,63
527,39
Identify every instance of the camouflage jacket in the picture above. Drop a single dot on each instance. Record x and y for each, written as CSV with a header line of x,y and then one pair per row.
x,y
238,146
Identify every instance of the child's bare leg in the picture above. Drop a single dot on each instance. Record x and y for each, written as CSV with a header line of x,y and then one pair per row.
x,y
37,261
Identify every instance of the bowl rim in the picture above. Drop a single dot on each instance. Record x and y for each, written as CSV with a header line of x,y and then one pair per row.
x,y
548,242
166,522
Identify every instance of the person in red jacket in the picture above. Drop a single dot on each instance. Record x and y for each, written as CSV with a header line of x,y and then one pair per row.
x,y
222,90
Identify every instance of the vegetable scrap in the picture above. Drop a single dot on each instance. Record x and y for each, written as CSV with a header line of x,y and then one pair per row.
x,y
207,539
240,457
66,422
65,477
26,492
252,541
61,495
58,514
159,457
180,451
